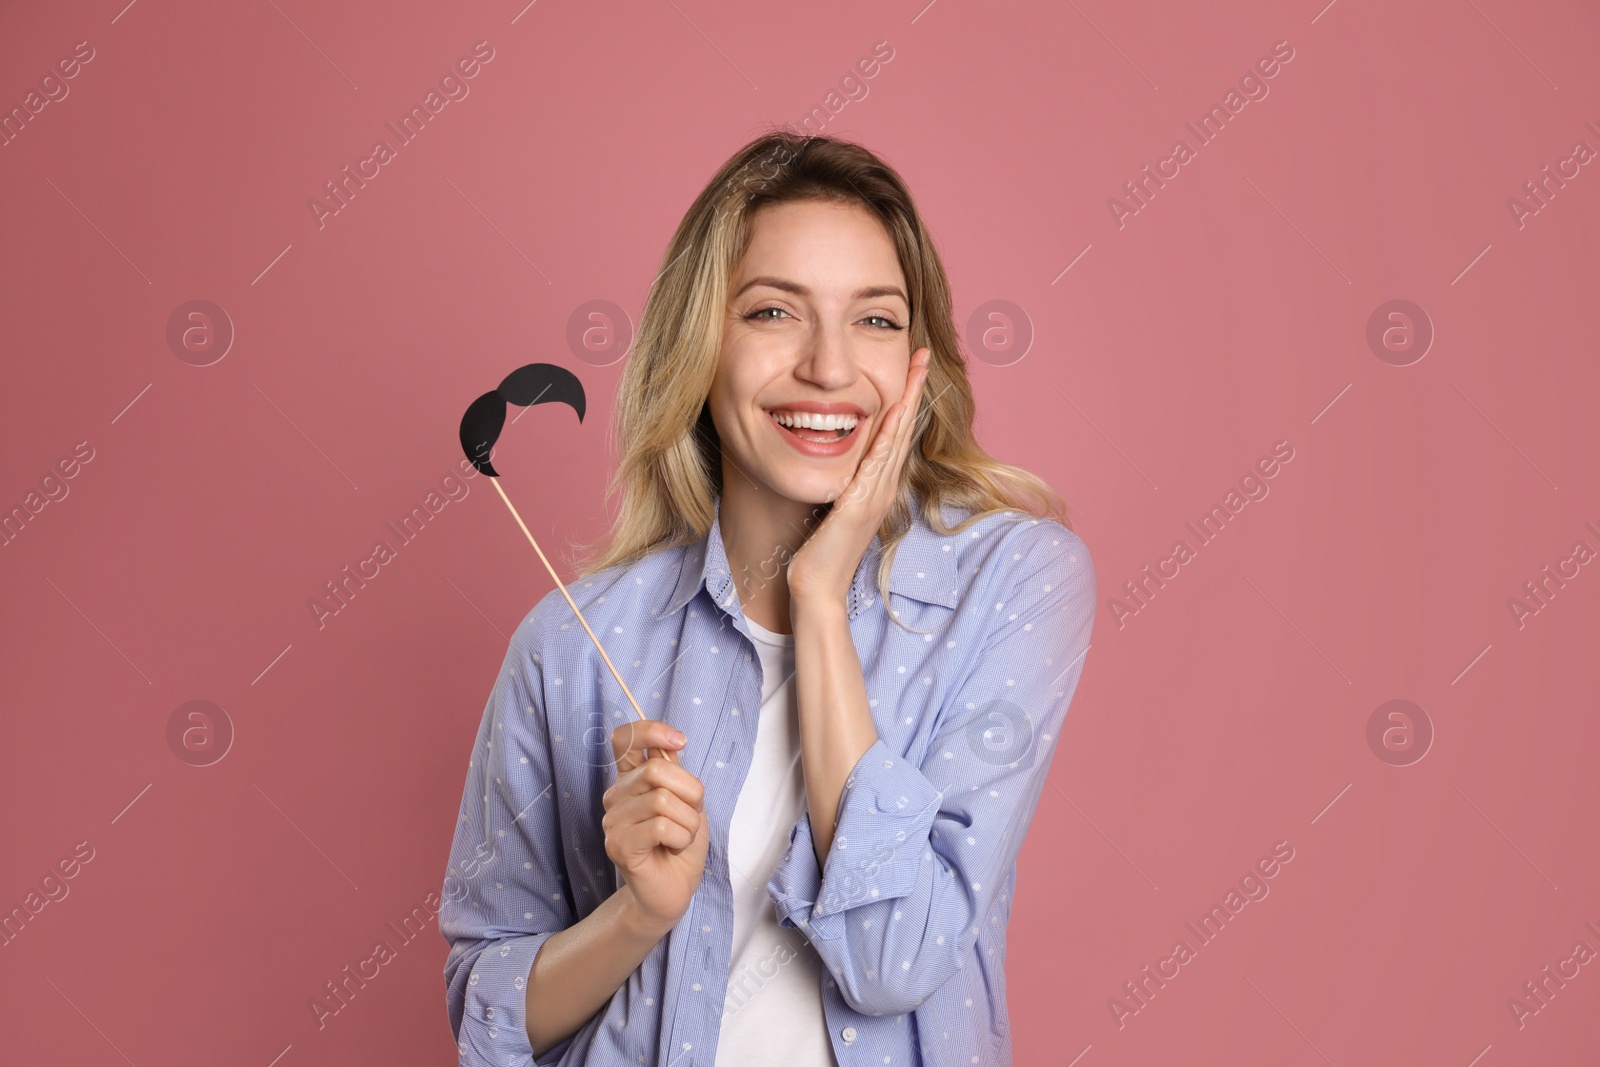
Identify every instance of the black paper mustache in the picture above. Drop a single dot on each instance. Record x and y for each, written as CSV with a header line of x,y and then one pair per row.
x,y
536,383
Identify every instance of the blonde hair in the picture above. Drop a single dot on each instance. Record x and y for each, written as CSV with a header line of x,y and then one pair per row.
x,y
670,469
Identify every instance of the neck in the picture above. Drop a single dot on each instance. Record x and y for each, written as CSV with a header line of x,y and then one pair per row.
x,y
761,532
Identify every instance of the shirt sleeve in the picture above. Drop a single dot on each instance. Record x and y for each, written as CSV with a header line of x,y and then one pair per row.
x,y
504,895
919,853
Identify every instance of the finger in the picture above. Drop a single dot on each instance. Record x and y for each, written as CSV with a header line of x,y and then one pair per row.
x,y
906,406
880,458
886,478
881,466
889,474
642,837
916,380
702,827
657,803
657,774
907,427
635,736
631,740
889,457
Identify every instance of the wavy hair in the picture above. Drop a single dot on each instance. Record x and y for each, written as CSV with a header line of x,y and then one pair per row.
x,y
670,472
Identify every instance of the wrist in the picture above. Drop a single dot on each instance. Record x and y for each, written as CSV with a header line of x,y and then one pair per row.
x,y
636,921
816,605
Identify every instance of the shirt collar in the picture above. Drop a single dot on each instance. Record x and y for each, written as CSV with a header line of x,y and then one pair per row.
x,y
924,568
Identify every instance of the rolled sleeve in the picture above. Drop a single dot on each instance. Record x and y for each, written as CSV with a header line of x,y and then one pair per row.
x,y
505,891
885,813
921,851
494,1027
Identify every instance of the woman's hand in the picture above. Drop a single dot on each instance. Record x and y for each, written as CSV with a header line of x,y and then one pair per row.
x,y
655,823
826,563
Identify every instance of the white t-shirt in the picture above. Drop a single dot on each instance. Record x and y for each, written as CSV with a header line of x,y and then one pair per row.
x,y
773,1006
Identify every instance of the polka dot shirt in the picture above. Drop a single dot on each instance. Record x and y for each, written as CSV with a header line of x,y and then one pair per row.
x,y
909,912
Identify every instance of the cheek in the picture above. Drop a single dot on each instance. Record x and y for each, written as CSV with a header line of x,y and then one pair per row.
x,y
725,408
743,373
890,382
719,415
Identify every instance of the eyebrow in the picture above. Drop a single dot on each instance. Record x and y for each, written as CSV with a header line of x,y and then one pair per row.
x,y
800,290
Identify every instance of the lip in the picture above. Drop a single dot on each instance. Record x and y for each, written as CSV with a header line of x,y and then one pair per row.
x,y
821,407
820,449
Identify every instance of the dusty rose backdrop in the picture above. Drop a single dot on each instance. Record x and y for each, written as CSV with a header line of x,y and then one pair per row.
x,y
1354,315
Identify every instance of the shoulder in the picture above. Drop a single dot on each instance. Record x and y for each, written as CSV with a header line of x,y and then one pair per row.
x,y
1004,549
1032,585
1025,573
606,598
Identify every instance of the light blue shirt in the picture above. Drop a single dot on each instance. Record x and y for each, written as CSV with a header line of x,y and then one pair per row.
x,y
909,913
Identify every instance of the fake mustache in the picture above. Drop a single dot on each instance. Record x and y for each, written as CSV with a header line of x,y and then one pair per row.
x,y
536,383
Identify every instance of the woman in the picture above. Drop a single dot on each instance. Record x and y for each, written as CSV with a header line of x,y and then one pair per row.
x,y
854,630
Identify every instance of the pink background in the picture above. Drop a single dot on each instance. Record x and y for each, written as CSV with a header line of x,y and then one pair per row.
x,y
1230,313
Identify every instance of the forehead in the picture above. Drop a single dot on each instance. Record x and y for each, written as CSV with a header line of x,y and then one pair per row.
x,y
821,244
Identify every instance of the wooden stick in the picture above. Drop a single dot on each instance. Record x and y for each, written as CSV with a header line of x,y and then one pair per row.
x,y
496,483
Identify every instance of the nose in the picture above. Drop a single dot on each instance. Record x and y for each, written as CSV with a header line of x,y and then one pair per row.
x,y
826,359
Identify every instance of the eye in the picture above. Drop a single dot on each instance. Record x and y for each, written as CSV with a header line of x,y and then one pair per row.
x,y
888,323
759,314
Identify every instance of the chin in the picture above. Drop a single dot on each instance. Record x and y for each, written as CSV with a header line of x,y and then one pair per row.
x,y
811,487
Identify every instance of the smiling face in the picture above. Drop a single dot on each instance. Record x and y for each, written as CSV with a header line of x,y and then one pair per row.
x,y
816,334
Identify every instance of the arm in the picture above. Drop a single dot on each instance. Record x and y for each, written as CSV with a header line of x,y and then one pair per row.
x,y
918,854
513,1000
580,968
836,726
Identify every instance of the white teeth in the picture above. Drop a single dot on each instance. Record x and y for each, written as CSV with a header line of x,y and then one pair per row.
x,y
810,421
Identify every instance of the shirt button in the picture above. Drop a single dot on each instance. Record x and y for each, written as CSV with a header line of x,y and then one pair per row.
x,y
849,1034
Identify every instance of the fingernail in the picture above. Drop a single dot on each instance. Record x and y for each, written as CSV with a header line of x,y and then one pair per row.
x,y
678,737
